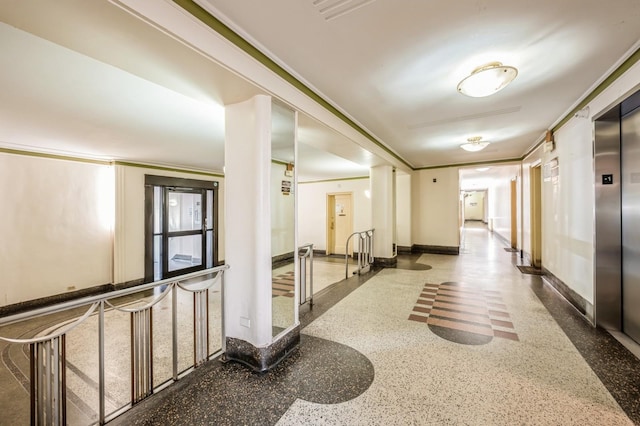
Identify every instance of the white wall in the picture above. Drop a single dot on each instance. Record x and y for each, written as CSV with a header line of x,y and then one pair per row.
x,y
129,233
474,205
403,210
435,207
56,226
499,195
312,208
568,204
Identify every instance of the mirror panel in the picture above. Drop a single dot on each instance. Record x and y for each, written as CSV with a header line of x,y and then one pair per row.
x,y
283,242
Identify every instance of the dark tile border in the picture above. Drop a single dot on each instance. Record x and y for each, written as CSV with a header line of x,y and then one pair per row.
x,y
419,248
55,299
386,262
579,302
319,371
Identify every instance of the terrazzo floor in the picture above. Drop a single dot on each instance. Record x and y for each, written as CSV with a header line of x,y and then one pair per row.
x,y
438,340
552,368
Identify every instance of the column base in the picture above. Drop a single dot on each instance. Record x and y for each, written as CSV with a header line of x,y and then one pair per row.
x,y
386,262
261,359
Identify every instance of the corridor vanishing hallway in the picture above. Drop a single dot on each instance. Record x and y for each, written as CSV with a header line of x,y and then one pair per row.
x,y
439,340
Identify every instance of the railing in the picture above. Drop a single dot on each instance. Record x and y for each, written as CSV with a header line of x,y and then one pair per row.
x,y
305,253
150,369
365,252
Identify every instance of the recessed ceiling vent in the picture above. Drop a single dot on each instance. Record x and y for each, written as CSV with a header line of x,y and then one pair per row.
x,y
332,9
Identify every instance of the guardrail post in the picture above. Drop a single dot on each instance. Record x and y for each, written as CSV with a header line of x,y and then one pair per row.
x,y
48,382
141,354
200,326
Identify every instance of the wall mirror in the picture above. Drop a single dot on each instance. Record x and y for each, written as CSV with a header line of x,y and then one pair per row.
x,y
283,213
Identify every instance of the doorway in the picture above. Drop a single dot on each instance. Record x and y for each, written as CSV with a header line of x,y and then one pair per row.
x,y
181,226
514,214
339,221
536,216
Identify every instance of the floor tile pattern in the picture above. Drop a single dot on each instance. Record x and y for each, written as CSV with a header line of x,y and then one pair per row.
x,y
283,285
463,314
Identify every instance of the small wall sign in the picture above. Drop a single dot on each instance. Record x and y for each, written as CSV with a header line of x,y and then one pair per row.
x,y
607,179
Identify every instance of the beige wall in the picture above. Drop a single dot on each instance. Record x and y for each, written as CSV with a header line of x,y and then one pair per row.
x,y
435,207
55,226
499,195
312,209
129,229
403,210
568,202
474,205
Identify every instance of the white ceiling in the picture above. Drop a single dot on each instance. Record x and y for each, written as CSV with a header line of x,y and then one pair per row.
x,y
87,78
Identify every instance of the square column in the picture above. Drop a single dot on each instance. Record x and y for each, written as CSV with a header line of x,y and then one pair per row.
x,y
383,214
248,295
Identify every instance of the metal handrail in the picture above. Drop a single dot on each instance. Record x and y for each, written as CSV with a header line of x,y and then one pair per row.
x,y
48,352
306,252
365,252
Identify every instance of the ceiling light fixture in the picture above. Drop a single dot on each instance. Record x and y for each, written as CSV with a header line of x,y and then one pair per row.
x,y
487,80
473,144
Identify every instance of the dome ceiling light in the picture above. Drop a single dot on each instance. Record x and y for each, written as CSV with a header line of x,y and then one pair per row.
x,y
473,144
487,80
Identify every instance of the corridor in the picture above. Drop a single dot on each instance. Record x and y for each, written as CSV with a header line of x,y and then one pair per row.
x,y
438,340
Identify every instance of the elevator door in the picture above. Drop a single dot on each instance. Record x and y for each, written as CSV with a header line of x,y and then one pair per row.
x,y
630,165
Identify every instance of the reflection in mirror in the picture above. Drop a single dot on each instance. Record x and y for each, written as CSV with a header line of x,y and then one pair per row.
x,y
283,217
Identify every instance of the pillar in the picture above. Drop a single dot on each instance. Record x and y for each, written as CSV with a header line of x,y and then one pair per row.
x,y
383,214
247,291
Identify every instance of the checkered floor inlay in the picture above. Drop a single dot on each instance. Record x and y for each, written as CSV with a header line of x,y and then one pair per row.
x,y
283,285
466,309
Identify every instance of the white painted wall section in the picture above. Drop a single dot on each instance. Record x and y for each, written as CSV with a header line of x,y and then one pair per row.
x,y
383,210
435,207
56,226
247,303
312,208
403,209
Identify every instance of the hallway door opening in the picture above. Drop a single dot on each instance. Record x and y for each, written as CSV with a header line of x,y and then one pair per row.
x,y
181,226
339,221
536,216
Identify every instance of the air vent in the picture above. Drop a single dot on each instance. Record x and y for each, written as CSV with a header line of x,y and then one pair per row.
x,y
332,9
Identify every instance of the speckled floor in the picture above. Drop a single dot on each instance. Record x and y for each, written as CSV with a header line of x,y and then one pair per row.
x,y
426,377
487,346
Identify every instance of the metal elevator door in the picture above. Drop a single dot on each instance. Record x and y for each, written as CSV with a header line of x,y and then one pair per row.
x,y
630,168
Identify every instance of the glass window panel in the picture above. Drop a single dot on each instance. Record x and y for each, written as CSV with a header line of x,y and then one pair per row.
x,y
209,209
157,257
157,209
185,211
209,249
185,252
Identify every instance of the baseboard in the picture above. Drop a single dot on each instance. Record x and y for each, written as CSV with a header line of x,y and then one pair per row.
x,y
404,249
385,262
42,302
579,302
420,248
282,259
261,359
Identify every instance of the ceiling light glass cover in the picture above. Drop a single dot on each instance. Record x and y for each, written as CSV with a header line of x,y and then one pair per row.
x,y
473,144
487,80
